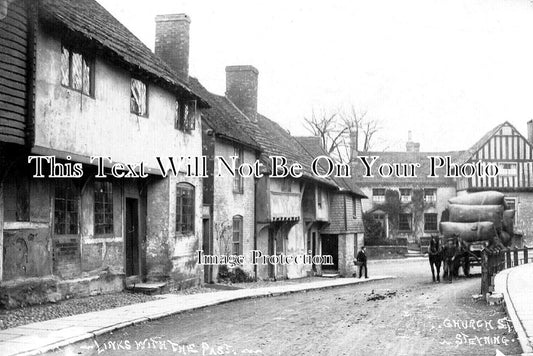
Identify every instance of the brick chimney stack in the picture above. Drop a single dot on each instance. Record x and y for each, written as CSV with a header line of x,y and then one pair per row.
x,y
530,131
172,42
241,88
411,146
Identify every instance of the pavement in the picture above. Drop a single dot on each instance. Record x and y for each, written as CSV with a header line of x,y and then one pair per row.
x,y
516,285
36,338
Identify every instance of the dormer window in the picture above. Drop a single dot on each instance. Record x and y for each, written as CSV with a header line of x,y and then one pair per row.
x,y
186,112
138,98
76,71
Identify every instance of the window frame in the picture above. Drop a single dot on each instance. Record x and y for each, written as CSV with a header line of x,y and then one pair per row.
x,y
239,233
354,206
406,197
66,184
146,94
181,212
185,122
90,62
378,197
426,215
103,213
434,195
508,172
409,221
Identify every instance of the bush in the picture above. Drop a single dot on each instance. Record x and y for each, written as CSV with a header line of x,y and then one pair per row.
x,y
400,241
237,275
373,228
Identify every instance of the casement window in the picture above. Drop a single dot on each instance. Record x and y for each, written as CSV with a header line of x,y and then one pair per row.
x,y
77,71
66,202
319,197
238,184
507,169
354,207
103,207
404,222
430,222
184,208
378,195
379,217
138,97
185,116
511,203
237,235
405,195
430,195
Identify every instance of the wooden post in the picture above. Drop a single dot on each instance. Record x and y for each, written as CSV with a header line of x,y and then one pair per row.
x,y
515,256
508,258
525,255
485,272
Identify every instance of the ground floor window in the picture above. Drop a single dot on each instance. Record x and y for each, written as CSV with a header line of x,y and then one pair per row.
x,y
66,203
237,235
404,222
430,222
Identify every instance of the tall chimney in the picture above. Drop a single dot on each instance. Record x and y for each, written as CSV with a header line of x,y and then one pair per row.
x,y
172,42
530,131
411,146
241,89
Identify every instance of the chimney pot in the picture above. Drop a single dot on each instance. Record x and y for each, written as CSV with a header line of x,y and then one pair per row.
x,y
172,42
241,88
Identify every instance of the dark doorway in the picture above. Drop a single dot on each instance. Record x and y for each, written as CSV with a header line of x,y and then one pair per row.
x,y
330,246
206,246
132,237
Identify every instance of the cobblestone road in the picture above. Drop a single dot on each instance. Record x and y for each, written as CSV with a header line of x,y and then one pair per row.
x,y
409,315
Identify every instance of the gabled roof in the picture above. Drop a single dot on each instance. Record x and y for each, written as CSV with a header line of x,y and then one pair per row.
x,y
94,23
403,157
276,141
468,154
313,146
224,118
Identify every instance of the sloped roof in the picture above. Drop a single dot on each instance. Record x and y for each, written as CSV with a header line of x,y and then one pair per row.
x,y
313,146
276,141
403,157
224,118
93,22
466,155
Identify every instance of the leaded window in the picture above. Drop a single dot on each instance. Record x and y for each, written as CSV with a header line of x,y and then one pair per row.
x,y
103,207
76,71
185,208
139,98
66,208
237,235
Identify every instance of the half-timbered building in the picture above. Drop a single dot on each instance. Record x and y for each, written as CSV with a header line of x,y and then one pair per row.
x,y
505,147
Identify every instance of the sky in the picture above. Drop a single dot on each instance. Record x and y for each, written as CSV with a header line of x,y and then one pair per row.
x,y
447,70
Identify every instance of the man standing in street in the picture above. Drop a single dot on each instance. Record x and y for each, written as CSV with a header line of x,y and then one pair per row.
x,y
361,261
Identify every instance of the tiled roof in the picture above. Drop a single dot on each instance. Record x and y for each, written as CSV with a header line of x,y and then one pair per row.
x,y
313,146
224,118
403,157
276,141
95,23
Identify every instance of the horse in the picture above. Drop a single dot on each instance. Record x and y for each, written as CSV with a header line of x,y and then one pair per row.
x,y
435,256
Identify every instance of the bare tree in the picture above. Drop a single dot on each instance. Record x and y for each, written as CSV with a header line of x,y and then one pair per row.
x,y
327,127
343,133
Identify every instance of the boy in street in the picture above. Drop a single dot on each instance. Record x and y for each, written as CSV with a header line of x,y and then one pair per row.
x,y
361,261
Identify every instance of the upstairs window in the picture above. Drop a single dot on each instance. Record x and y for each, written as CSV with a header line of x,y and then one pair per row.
x,y
238,184
507,169
405,195
138,98
378,195
237,235
103,208
185,117
319,198
286,185
430,195
354,207
76,71
185,209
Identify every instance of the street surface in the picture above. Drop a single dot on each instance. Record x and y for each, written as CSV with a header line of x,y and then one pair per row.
x,y
409,315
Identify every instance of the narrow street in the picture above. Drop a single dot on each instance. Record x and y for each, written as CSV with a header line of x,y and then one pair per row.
x,y
409,315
